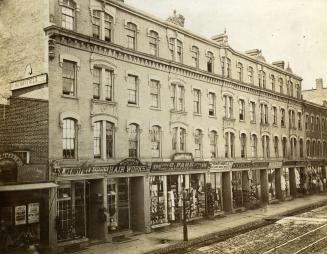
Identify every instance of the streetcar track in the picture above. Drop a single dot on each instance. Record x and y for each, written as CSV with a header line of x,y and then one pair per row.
x,y
310,245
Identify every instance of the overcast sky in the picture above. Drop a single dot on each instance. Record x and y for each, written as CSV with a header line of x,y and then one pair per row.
x,y
291,30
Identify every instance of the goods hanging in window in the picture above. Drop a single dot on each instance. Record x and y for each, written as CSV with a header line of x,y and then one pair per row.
x,y
285,183
238,195
272,184
214,197
158,200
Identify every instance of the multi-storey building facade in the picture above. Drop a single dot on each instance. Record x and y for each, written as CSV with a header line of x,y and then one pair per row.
x,y
143,113
316,95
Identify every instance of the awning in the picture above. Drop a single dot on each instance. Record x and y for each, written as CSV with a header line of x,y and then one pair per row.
x,y
30,186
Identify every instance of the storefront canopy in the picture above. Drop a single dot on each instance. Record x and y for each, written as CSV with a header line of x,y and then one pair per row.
x,y
32,186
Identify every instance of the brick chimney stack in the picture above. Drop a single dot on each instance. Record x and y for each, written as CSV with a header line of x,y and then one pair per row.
x,y
319,84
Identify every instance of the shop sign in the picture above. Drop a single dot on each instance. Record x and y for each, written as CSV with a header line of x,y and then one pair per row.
x,y
20,215
182,157
129,165
260,164
13,157
294,163
32,173
220,165
30,81
9,162
241,165
275,164
179,166
33,213
317,163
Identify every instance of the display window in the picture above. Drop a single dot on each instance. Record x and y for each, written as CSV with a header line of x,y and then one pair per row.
x,y
214,197
272,184
197,195
255,186
237,190
301,181
175,186
285,183
158,193
72,210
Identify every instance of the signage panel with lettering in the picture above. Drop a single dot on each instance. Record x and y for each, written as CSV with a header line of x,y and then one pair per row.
x,y
29,82
20,215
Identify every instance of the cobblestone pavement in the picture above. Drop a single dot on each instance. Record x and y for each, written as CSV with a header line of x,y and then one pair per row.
x,y
287,232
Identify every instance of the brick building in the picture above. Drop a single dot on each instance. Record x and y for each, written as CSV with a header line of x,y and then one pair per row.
x,y
316,95
141,113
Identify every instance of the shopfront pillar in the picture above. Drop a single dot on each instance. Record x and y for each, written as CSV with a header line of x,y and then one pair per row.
x,y
52,221
227,191
264,186
292,179
278,174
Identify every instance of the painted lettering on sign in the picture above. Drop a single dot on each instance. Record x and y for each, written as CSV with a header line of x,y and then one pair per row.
x,y
28,82
180,166
32,173
13,157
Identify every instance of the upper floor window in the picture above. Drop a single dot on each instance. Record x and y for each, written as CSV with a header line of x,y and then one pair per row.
x,y
102,25
241,109
197,101
252,112
281,85
154,43
276,146
306,122
293,144
198,143
69,77
298,91
195,56
177,97
131,35
228,67
274,114
301,148
290,87
212,104
176,49
291,116
240,71
282,117
264,113
299,120
254,146
324,152
313,148
155,93
323,125
68,14
229,145
228,104
133,140
312,123
273,83
284,147
243,145
102,84
69,139
103,139
262,79
179,139
210,60
317,124
266,146
308,146
132,89
250,74
213,144
155,141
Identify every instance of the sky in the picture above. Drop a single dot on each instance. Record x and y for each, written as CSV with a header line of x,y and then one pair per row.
x,y
291,30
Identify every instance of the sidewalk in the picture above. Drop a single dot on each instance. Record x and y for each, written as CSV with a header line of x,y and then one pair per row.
x,y
172,238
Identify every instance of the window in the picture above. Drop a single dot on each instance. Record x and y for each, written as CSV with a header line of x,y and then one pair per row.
x,y
306,122
210,60
69,139
281,84
254,146
69,78
262,79
282,118
213,144
293,147
301,148
155,141
291,116
318,148
250,75
195,56
264,113
229,145
198,143
324,149
228,67
103,139
154,43
133,140
308,146
274,113
240,71
298,91
317,124
228,102
265,146
154,92
276,146
291,89
323,124
299,120
273,83
252,112
284,147
132,89
102,84
68,14
96,83
313,147
179,51
176,49
242,110
196,101
179,139
312,123
102,25
212,104
177,97
131,35
243,145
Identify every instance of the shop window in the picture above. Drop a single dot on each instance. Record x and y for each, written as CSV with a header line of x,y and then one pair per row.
x,y
266,146
282,117
214,198
68,14
133,140
284,147
243,145
103,80
250,75
69,78
213,144
102,25
252,112
272,184
276,146
210,61
103,139
198,143
240,71
274,114
254,145
212,104
229,145
155,93
131,35
241,109
237,190
196,101
228,106
195,56
69,139
264,114
285,183
177,97
154,43
132,89
158,206
155,141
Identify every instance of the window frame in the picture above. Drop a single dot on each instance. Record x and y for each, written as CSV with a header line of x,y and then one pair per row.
x,y
154,42
72,128
132,91
131,35
73,79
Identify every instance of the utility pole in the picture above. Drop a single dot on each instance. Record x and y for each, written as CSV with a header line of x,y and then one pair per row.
x,y
185,230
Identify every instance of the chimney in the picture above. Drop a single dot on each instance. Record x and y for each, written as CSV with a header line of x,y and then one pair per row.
x,y
279,64
319,84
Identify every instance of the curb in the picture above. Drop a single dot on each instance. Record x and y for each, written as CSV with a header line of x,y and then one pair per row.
x,y
182,247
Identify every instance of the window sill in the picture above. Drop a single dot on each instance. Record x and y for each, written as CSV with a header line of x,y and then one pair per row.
x,y
275,125
242,121
133,105
253,122
197,114
228,119
283,126
178,112
214,116
104,102
69,97
154,108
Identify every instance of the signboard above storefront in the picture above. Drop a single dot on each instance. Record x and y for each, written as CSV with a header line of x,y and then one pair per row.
x,y
179,166
241,165
29,82
220,165
182,157
275,164
9,166
295,163
32,173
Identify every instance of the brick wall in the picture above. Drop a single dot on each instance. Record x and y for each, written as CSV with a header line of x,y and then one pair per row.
x,y
24,126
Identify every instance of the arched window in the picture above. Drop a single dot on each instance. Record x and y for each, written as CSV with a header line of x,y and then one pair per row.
x,y
276,146
298,91
262,79
243,145
69,139
229,145
273,83
131,35
102,25
301,148
293,147
281,84
103,139
154,43
324,149
213,144
266,146
250,74
68,14
240,71
313,148
195,56
308,147
198,143
291,91
133,140
179,139
210,61
254,146
155,141
284,147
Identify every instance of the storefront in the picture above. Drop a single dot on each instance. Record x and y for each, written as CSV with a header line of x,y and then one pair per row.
x,y
169,181
25,205
316,174
274,181
294,179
